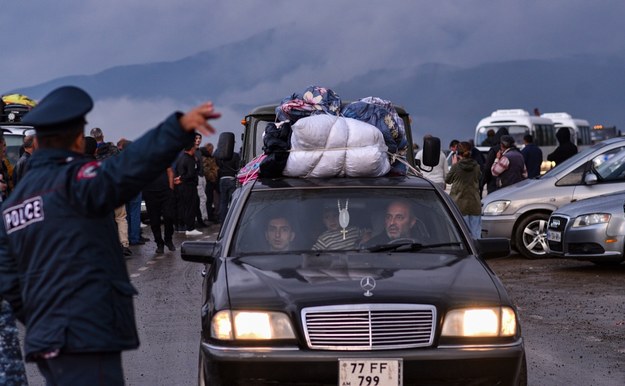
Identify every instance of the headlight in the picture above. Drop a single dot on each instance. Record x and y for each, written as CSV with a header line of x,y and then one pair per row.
x,y
591,219
251,325
480,322
496,207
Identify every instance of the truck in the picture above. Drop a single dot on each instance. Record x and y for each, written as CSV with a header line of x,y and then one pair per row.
x,y
255,122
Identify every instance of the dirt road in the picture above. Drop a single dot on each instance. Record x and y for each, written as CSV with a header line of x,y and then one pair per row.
x,y
573,319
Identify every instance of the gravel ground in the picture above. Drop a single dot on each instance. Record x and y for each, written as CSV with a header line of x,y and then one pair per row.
x,y
573,319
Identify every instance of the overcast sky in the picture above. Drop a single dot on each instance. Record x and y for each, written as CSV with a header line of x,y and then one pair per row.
x,y
44,40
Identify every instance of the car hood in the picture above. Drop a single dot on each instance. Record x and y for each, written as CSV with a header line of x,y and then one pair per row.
x,y
611,203
296,281
522,188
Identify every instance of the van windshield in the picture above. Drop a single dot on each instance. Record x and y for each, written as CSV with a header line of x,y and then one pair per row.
x,y
517,131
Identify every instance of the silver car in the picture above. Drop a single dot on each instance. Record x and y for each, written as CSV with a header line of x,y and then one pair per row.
x,y
520,211
592,229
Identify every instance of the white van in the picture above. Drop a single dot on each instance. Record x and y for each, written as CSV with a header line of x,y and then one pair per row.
x,y
579,128
518,122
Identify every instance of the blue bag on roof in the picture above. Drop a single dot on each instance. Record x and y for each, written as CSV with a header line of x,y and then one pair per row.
x,y
382,114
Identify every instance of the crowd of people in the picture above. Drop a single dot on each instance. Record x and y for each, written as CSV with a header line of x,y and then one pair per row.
x,y
505,164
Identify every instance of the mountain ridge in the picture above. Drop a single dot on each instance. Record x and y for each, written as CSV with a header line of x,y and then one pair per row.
x,y
444,99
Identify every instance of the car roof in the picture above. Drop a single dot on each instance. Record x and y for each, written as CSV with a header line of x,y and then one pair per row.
x,y
341,182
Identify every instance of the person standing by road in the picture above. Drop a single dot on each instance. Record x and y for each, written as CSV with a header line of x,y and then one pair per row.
x,y
21,167
133,209
565,150
61,265
487,176
159,203
105,150
532,155
509,166
464,177
187,180
211,172
200,213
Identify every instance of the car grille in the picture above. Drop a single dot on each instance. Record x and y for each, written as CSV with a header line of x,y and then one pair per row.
x,y
557,223
369,326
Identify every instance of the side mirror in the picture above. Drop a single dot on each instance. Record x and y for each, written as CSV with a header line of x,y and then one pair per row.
x,y
431,151
590,178
225,146
494,247
198,251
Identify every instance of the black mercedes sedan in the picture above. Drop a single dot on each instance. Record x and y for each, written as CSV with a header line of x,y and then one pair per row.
x,y
353,281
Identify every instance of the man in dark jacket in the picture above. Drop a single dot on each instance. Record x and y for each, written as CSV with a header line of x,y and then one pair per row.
x,y
532,155
61,265
186,181
565,149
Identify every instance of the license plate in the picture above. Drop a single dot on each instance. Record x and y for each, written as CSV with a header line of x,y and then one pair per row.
x,y
554,236
370,372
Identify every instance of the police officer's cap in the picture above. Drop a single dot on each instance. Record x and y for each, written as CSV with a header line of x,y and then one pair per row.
x,y
63,105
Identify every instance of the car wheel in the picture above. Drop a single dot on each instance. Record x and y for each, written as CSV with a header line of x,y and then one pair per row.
x,y
531,236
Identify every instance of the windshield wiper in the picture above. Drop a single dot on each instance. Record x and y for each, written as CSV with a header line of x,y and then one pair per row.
x,y
409,247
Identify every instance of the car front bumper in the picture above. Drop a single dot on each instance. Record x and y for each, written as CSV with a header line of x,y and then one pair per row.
x,y
498,226
483,365
590,243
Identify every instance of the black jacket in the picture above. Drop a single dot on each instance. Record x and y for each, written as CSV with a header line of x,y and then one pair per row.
x,y
566,149
61,263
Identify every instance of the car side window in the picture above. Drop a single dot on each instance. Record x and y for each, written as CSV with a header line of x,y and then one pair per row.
x,y
610,166
576,177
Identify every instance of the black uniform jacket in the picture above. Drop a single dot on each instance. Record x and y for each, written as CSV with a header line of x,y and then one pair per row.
x,y
61,262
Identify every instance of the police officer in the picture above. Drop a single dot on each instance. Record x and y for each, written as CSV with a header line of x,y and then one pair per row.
x,y
61,264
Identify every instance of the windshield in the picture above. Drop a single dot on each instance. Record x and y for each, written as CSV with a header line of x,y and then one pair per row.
x,y
331,219
517,131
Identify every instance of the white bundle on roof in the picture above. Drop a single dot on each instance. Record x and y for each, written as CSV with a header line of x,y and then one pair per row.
x,y
331,146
